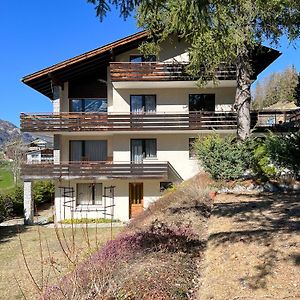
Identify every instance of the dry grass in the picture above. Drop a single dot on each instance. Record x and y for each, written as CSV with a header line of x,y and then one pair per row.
x,y
54,261
155,258
187,204
253,248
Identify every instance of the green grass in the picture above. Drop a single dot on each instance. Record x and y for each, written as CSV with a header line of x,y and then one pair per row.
x,y
6,178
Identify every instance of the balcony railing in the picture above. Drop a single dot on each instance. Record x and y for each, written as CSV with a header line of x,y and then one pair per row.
x,y
276,120
68,122
159,71
99,170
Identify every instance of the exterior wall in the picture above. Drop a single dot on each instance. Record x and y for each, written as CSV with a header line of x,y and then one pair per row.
x,y
172,147
172,51
174,100
121,200
64,154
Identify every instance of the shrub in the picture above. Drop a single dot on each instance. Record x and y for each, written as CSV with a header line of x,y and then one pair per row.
x,y
17,196
43,192
223,157
128,267
262,165
284,151
6,207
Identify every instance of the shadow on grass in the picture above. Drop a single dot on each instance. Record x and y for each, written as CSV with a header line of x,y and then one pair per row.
x,y
259,221
10,231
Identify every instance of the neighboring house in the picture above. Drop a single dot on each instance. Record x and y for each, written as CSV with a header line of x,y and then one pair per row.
x,y
123,125
38,144
44,155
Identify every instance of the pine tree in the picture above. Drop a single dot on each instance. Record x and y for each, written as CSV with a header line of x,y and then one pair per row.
x,y
218,31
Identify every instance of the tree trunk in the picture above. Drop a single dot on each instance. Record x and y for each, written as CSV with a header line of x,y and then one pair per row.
x,y
243,95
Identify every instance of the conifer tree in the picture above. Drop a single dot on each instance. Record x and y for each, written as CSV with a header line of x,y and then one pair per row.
x,y
218,31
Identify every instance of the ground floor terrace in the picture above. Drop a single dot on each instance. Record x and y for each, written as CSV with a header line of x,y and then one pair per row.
x,y
102,189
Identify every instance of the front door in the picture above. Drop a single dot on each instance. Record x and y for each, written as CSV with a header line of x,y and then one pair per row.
x,y
136,199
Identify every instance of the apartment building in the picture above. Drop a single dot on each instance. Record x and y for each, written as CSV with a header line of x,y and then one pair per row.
x,y
123,125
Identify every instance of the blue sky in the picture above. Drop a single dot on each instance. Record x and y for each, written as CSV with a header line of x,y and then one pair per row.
x,y
36,34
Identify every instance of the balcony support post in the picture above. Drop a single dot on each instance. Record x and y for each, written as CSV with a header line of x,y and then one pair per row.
x,y
28,203
56,149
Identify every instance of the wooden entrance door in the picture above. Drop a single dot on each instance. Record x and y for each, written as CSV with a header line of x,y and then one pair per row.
x,y
136,199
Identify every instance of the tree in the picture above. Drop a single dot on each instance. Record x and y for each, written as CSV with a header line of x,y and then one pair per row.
x,y
218,31
16,150
278,87
297,92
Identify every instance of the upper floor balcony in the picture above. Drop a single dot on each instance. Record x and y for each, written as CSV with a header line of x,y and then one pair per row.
x,y
86,122
120,122
142,75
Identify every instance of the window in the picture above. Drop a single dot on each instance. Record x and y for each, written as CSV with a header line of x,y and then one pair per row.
x,y
202,102
88,105
191,148
138,58
89,194
88,150
142,103
141,149
165,185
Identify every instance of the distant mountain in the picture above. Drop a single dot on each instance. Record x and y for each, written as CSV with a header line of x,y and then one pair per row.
x,y
9,132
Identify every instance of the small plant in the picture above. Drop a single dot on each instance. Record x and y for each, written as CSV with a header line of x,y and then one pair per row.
x,y
88,220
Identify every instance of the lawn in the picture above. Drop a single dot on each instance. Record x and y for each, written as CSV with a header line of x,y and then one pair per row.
x,y
6,177
54,261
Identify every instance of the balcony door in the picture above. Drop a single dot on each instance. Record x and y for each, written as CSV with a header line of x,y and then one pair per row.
x,y
202,102
136,199
88,150
142,148
143,104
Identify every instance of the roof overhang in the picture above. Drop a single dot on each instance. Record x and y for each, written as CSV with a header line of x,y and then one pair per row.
x,y
94,61
87,63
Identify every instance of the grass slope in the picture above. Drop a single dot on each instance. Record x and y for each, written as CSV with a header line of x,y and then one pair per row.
x,y
6,178
253,248
155,258
52,265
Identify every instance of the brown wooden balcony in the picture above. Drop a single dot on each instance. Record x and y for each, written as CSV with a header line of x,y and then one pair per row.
x,y
70,122
159,71
99,170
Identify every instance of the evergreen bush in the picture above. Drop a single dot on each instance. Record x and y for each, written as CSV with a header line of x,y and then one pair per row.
x,y
223,157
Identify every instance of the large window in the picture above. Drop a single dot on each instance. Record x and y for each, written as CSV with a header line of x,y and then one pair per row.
x,y
144,148
202,102
88,105
89,194
142,58
88,150
143,103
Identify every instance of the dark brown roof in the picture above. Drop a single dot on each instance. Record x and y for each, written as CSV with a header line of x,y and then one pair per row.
x,y
43,80
93,61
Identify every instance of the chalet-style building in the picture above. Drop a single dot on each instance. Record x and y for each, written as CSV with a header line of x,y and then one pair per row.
x,y
123,125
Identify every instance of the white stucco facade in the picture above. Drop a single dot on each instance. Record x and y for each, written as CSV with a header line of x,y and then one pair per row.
x,y
171,146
